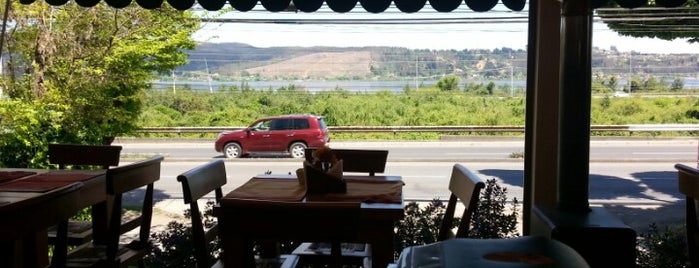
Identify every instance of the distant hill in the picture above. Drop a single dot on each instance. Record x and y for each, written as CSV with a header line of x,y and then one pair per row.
x,y
232,61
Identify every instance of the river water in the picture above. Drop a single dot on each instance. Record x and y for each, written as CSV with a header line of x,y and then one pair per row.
x,y
349,85
317,86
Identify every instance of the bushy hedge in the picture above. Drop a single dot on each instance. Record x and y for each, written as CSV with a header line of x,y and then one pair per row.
x,y
423,107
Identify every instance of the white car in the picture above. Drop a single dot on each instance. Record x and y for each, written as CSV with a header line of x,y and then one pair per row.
x,y
620,94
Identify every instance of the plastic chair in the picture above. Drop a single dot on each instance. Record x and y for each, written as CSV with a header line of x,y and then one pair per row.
x,y
196,183
82,156
465,186
120,250
355,254
688,182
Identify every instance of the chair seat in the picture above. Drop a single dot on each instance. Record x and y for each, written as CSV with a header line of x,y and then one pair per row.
x,y
79,232
95,256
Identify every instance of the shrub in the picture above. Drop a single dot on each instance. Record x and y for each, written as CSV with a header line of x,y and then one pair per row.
x,y
665,248
173,247
492,219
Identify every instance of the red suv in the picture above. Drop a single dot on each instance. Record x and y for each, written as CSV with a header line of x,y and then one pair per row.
x,y
278,134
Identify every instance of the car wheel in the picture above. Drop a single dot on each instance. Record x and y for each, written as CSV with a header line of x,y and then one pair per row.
x,y
232,150
297,150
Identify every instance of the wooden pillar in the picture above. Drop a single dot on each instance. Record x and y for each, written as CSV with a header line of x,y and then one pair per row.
x,y
541,147
602,239
574,107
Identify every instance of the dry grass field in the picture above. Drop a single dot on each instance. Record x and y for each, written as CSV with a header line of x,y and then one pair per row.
x,y
319,65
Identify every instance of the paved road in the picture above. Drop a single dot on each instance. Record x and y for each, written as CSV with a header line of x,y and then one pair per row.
x,y
640,190
481,149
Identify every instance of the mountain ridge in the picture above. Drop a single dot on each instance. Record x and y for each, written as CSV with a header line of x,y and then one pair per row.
x,y
231,61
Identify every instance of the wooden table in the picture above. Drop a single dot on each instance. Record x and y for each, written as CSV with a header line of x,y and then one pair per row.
x,y
377,217
21,189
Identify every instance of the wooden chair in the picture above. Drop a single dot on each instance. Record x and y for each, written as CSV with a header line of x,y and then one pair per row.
x,y
358,160
123,180
688,181
465,186
83,156
355,254
288,221
196,183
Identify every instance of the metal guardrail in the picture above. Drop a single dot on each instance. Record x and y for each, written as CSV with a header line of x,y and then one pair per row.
x,y
446,129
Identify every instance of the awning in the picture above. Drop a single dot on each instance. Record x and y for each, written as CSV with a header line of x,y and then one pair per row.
x,y
342,6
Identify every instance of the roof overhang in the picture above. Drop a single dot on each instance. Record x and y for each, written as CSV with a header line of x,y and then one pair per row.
x,y
343,6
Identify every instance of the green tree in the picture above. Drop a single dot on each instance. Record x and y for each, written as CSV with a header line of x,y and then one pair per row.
x,y
89,67
677,84
449,83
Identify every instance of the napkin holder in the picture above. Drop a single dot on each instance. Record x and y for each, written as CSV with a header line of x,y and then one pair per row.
x,y
320,181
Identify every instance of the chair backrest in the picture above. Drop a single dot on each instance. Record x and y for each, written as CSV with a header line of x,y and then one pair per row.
x,y
196,183
688,182
331,222
358,160
123,179
103,156
465,186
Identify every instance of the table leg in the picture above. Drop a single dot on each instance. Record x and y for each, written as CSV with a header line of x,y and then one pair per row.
x,y
382,245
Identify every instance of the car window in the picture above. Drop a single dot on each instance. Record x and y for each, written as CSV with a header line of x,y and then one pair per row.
x,y
262,125
321,123
281,124
301,123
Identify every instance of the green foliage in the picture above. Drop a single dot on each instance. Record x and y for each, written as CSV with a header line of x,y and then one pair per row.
x,y
493,218
173,246
25,131
448,83
76,75
420,225
422,107
665,248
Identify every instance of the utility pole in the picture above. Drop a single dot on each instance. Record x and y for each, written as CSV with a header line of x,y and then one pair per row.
x,y
512,75
174,92
208,75
417,60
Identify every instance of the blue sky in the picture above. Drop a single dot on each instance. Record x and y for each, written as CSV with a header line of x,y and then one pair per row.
x,y
469,33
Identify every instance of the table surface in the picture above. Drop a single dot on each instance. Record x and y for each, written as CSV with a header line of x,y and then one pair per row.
x,y
15,193
378,207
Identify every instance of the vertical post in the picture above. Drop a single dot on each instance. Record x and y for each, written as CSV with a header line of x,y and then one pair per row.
x,y
173,82
417,60
574,106
6,14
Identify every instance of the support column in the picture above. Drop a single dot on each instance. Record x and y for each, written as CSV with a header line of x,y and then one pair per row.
x,y
541,136
601,238
574,107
